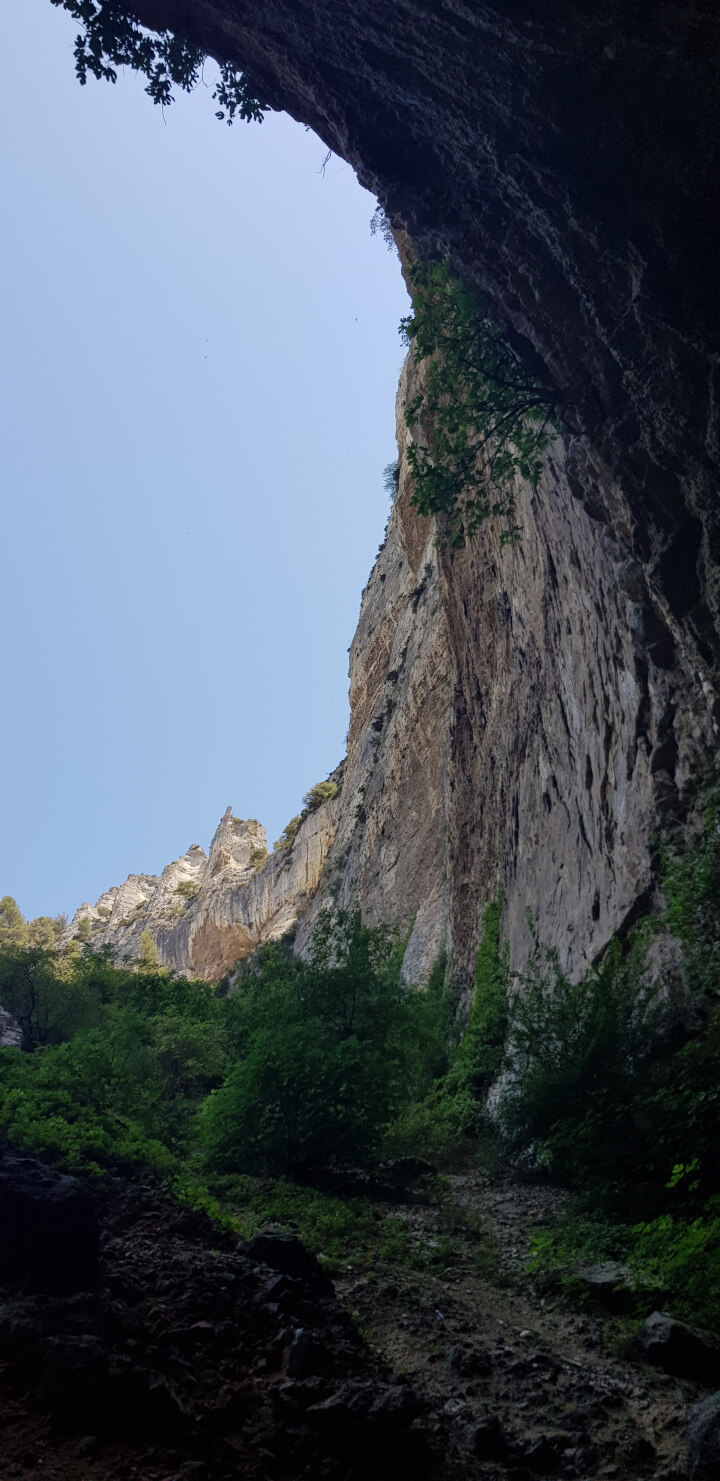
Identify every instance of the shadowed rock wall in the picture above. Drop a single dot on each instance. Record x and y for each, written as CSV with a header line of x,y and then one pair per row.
x,y
565,157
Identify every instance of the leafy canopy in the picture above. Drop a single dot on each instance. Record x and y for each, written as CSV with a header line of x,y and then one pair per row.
x,y
326,1051
111,37
480,419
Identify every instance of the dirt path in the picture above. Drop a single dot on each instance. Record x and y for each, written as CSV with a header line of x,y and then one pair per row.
x,y
532,1386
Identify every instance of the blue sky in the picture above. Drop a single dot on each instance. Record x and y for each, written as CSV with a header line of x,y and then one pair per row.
x,y
199,363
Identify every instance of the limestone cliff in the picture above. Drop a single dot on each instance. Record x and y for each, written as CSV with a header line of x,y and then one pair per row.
x,y
205,911
520,717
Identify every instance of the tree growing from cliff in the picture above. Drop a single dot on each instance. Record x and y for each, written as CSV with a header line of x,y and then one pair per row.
x,y
111,38
147,950
480,419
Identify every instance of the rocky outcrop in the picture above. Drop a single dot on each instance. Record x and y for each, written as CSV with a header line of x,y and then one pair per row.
x,y
205,912
10,1031
191,1354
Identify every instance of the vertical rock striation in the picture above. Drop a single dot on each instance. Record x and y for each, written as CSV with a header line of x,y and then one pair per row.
x,y
521,718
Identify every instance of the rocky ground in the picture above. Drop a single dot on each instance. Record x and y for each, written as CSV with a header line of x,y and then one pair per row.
x,y
531,1387
147,1346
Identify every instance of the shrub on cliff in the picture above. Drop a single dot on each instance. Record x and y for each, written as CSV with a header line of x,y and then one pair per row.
x,y
320,793
287,837
480,419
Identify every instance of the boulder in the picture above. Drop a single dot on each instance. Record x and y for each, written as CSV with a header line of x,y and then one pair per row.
x,y
606,1283
288,1255
703,1444
48,1228
677,1348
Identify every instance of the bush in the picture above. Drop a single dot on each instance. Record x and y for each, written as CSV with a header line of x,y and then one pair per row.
x,y
481,1054
320,793
327,1050
449,1122
187,889
116,1060
287,837
691,885
586,1057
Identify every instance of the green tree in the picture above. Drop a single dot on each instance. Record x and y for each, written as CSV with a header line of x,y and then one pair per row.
x,y
480,419
49,1001
327,1050
147,950
13,929
320,793
287,837
42,931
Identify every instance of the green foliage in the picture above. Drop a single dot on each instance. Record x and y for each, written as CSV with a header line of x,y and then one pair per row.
x,y
258,856
617,1087
112,38
13,927
83,930
42,932
287,837
391,479
320,793
673,1261
187,889
449,1124
481,420
579,1053
481,1054
327,1050
117,1061
380,226
47,998
147,950
691,884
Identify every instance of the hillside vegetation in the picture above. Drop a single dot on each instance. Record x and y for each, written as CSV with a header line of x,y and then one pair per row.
x,y
313,1076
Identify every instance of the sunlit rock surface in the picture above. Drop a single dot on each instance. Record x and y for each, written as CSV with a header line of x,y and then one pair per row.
x,y
206,911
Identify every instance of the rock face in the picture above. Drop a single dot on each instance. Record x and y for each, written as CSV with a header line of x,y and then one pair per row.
x,y
564,157
204,912
10,1031
520,718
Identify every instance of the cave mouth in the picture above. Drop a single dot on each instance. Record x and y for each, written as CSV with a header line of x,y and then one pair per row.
x,y
205,355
